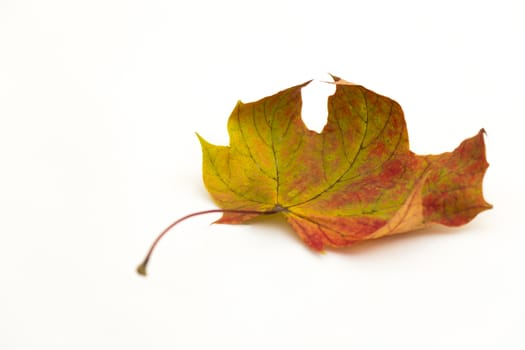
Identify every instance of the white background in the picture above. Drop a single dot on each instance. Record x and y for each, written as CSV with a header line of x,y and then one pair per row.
x,y
99,102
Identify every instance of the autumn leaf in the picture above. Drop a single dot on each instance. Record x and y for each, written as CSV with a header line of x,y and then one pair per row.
x,y
355,180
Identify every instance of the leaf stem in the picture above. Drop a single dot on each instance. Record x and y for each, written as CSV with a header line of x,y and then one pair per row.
x,y
141,269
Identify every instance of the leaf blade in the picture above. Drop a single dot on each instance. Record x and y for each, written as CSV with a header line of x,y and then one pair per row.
x,y
355,180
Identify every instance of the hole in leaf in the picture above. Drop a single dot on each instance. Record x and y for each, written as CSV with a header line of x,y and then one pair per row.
x,y
315,101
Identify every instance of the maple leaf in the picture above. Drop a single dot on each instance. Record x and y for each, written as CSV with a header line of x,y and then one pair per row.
x,y
355,180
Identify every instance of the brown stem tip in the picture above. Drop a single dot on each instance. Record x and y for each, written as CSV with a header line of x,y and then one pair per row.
x,y
141,269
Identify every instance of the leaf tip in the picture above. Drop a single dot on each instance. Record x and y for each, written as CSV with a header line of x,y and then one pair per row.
x,y
334,77
340,81
202,141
